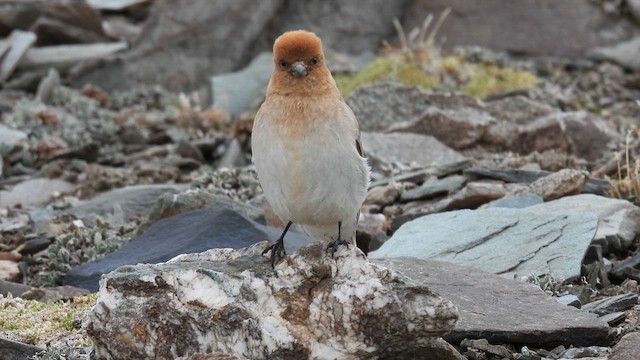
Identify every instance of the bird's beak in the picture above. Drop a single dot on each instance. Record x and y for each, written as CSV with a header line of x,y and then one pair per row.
x,y
298,69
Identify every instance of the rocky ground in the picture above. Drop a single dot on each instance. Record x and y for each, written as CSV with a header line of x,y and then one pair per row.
x,y
507,184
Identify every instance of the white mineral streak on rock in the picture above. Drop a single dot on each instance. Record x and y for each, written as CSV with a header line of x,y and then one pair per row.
x,y
313,306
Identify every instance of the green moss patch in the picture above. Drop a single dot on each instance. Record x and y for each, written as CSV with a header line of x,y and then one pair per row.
x,y
391,68
490,79
417,70
35,322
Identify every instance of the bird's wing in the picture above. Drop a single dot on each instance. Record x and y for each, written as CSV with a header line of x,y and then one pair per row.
x,y
356,126
359,145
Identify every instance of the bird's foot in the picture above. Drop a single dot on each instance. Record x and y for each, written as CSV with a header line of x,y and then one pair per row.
x,y
333,246
277,250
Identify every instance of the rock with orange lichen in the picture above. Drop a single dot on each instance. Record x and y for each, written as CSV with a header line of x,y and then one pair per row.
x,y
313,306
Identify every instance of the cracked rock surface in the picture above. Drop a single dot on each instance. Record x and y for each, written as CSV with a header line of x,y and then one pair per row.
x,y
313,306
510,242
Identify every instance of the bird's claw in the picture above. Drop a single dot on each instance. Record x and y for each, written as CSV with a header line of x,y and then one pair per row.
x,y
333,246
277,250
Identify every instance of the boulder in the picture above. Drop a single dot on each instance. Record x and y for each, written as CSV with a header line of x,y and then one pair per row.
x,y
462,122
577,133
388,105
380,105
536,27
518,110
459,128
388,151
313,306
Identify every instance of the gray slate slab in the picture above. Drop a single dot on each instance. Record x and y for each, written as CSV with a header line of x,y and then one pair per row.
x,y
619,220
195,231
509,242
502,310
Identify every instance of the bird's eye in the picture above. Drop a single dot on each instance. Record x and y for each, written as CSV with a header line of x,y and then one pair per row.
x,y
283,64
314,61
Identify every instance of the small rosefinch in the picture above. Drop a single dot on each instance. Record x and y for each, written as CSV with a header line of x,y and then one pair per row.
x,y
306,146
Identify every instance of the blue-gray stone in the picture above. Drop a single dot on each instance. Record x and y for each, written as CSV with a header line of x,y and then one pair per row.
x,y
508,242
189,232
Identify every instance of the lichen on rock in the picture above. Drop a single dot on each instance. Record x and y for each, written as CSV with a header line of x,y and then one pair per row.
x,y
230,301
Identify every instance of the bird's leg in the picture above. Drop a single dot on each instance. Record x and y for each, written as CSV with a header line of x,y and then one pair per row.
x,y
277,249
333,246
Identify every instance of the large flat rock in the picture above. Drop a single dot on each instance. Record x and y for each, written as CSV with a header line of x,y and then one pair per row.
x,y
508,242
194,231
502,310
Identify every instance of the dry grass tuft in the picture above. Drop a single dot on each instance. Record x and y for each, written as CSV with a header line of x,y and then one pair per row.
x,y
626,184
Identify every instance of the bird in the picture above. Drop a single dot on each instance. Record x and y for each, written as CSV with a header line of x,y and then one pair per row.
x,y
306,147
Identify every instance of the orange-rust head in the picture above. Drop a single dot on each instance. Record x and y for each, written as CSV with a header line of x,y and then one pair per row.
x,y
299,63
299,45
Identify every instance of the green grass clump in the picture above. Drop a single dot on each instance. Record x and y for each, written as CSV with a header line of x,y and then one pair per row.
x,y
479,80
491,79
419,62
386,68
